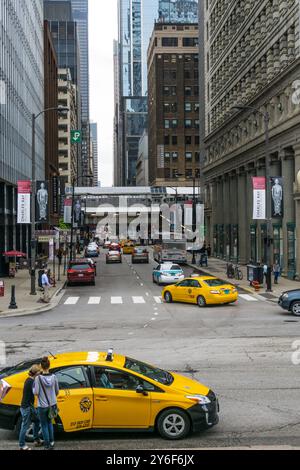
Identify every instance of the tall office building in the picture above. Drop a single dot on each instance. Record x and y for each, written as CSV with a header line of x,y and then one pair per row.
x,y
251,57
21,95
94,145
136,21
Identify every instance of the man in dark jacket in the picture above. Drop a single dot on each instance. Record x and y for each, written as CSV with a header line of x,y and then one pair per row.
x,y
28,411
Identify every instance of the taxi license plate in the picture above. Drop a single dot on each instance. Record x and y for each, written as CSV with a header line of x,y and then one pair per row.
x,y
80,275
227,291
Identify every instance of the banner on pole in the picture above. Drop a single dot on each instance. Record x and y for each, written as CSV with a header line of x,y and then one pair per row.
x,y
68,211
24,190
277,197
42,201
259,198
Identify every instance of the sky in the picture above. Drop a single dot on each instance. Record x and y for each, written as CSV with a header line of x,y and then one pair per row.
x,y
103,29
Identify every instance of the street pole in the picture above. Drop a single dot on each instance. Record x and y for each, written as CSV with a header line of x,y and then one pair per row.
x,y
33,190
268,204
193,218
72,219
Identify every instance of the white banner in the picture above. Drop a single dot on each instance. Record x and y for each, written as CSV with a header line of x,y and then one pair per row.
x,y
24,188
259,198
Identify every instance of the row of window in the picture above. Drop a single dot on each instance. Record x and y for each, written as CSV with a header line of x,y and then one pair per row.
x,y
189,173
188,90
173,42
188,156
188,74
188,107
173,140
188,123
173,58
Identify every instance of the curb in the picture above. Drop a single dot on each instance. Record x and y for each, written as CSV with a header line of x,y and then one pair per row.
x,y
55,299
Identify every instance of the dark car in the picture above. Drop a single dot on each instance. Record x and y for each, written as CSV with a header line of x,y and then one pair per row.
x,y
81,271
140,255
290,300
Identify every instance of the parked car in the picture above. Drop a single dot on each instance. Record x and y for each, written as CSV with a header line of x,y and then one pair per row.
x,y
290,301
113,256
105,391
167,273
81,271
140,255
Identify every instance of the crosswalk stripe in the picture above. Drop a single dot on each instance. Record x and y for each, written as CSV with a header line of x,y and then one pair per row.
x,y
138,300
72,301
94,300
158,300
116,300
249,298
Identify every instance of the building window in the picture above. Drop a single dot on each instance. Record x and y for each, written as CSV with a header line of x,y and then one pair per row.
x,y
188,155
174,173
188,123
196,74
167,154
196,123
174,140
170,107
167,124
169,42
196,90
197,140
188,140
189,173
188,107
167,173
197,173
174,123
196,107
187,74
188,91
166,140
190,42
174,155
166,90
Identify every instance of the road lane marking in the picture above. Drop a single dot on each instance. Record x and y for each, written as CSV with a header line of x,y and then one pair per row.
x,y
72,301
116,300
94,300
247,297
138,300
158,300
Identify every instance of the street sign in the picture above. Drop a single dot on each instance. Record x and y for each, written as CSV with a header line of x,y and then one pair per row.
x,y
76,137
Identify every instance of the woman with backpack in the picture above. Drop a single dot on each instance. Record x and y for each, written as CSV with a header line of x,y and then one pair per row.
x,y
46,389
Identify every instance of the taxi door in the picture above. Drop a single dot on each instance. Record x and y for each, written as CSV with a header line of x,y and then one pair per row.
x,y
75,399
180,291
116,401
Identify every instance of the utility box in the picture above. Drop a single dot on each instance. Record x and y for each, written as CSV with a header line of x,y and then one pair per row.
x,y
1,288
255,273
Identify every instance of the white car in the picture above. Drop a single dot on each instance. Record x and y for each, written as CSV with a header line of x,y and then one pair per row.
x,y
167,273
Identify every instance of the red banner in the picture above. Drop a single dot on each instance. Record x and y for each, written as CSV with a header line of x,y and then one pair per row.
x,y
24,187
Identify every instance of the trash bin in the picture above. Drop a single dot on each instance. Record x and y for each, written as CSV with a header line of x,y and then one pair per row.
x,y
1,288
255,273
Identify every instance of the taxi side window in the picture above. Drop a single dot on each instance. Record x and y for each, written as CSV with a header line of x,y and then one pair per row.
x,y
183,284
71,378
195,284
115,379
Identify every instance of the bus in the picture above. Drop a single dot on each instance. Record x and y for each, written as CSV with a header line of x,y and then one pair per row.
x,y
174,251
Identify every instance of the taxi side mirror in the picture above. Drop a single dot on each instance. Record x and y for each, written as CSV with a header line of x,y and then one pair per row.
x,y
140,389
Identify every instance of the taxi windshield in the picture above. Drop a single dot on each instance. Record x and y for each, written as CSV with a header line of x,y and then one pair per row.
x,y
150,372
19,368
214,282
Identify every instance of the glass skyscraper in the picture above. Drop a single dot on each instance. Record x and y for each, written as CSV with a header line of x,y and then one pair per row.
x,y
21,95
136,19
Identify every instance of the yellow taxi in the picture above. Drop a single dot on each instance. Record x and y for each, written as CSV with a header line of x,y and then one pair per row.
x,y
128,247
202,290
113,392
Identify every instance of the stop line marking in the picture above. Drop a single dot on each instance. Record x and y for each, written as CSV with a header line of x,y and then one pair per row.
x,y
247,297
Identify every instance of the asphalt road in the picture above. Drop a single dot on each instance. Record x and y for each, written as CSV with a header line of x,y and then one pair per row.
x,y
243,352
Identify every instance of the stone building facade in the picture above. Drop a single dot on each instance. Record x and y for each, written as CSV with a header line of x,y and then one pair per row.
x,y
251,53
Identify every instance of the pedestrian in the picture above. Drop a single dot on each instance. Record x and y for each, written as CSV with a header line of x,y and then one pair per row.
x,y
276,271
60,255
28,412
46,389
46,286
265,271
209,250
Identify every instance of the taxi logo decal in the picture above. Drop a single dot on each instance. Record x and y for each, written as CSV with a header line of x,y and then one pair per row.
x,y
85,405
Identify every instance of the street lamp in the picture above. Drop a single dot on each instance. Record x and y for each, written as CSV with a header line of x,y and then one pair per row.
x,y
266,118
60,109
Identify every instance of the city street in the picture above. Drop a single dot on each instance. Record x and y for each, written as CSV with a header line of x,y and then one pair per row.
x,y
243,352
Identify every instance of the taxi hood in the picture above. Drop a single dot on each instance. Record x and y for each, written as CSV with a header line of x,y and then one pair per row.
x,y
187,385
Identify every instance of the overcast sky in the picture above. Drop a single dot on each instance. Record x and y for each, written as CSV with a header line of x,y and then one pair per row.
x,y
103,27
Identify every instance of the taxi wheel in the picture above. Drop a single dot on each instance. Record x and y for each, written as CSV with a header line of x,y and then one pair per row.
x,y
295,308
168,297
173,424
201,301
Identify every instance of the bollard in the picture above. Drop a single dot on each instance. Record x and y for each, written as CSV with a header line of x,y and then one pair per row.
x,y
13,304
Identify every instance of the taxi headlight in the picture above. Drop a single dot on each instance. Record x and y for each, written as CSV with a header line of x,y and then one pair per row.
x,y
285,296
234,291
215,292
201,399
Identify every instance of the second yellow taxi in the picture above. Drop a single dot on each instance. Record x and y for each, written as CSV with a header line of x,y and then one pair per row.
x,y
202,290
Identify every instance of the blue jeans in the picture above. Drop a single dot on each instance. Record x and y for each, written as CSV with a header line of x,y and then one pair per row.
x,y
47,427
26,422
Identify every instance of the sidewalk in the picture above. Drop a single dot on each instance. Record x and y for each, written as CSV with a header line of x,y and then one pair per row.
x,y
29,304
217,268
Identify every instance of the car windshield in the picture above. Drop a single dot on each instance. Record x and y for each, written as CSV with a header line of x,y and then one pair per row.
x,y
19,368
214,282
80,267
159,375
175,267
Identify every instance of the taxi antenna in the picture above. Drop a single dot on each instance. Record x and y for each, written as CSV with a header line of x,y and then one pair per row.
x,y
51,354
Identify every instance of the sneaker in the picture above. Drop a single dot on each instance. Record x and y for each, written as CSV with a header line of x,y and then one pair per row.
x,y
38,443
25,448
52,445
